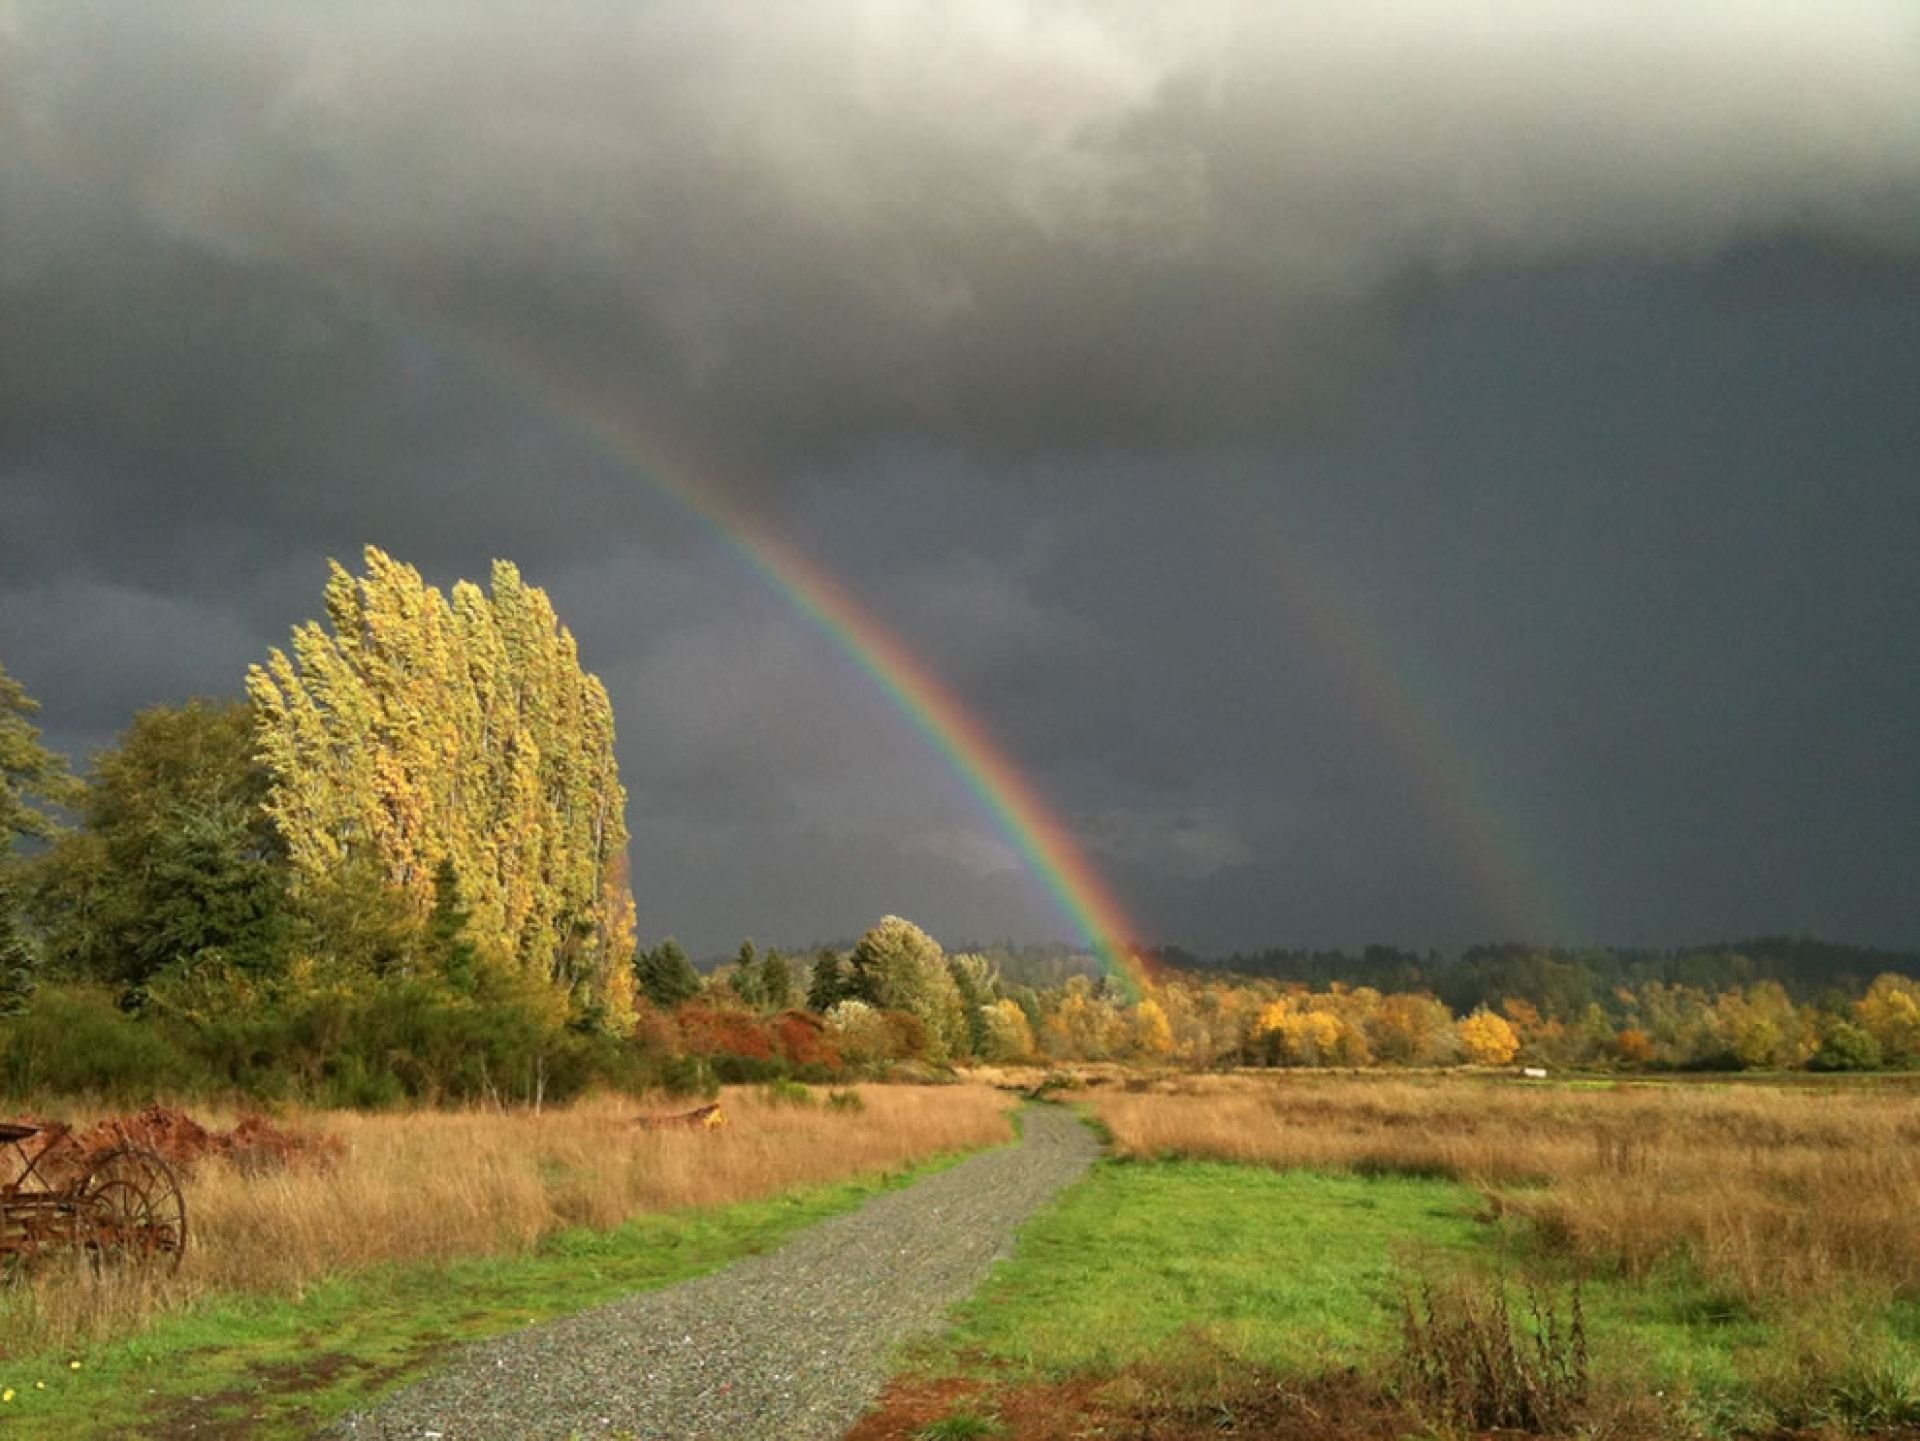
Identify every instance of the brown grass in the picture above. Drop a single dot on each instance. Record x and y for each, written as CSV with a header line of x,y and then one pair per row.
x,y
429,1186
1774,1192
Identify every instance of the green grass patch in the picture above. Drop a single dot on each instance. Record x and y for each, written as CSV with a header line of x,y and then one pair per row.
x,y
1287,1270
279,1368
1302,1274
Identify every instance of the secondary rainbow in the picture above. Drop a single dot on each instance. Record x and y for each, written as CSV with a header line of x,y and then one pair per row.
x,y
1381,689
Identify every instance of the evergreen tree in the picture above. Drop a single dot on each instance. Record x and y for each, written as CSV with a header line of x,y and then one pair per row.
x,y
449,948
776,982
745,978
16,956
29,772
827,984
176,860
666,975
416,727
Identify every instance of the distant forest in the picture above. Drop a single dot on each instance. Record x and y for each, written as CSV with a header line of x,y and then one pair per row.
x,y
1564,983
1555,981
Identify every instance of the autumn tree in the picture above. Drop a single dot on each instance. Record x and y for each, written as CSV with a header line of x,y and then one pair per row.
x,y
1152,1032
974,978
860,1032
1413,1029
1308,1030
896,966
1084,1026
1890,1014
1489,1038
414,727
1007,1034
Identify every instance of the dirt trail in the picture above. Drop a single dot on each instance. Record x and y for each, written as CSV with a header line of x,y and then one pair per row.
x,y
790,1346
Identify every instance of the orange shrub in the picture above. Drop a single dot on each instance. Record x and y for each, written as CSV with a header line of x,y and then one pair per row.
x,y
716,1031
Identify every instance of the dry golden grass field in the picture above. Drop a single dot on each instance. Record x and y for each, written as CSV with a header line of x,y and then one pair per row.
x,y
1774,1192
437,1185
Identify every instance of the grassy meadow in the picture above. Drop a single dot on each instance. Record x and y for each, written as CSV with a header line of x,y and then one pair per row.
x,y
1705,1260
438,1226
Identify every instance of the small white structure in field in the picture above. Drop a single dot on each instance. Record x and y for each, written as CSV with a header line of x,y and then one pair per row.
x,y
1534,1073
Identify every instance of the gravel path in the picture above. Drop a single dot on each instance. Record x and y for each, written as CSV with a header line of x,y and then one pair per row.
x,y
784,1347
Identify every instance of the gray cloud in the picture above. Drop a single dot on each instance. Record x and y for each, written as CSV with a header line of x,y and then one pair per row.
x,y
1009,225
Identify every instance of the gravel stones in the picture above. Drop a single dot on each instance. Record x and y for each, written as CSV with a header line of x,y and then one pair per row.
x,y
792,1345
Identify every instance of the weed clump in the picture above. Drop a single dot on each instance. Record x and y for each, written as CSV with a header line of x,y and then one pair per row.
x,y
961,1426
783,1092
1474,1362
1834,1369
848,1102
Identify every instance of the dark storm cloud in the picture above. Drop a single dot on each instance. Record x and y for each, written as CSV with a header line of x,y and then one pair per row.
x,y
1010,225
148,389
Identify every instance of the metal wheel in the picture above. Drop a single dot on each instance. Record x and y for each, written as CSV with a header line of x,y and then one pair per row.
x,y
131,1203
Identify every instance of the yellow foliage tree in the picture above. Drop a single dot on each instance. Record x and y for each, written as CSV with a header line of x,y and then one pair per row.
x,y
1489,1039
1302,1030
1152,1032
414,729
1084,1027
1890,1012
1008,1036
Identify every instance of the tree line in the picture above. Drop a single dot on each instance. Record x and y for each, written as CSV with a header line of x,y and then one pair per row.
x,y
394,870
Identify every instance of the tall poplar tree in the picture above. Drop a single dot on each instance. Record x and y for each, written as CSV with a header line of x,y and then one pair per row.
x,y
415,730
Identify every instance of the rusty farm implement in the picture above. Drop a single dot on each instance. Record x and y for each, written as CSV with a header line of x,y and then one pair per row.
x,y
120,1207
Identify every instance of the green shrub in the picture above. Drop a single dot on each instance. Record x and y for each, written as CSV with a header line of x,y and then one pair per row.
x,y
849,1102
731,1070
783,1092
1846,1048
75,1041
689,1076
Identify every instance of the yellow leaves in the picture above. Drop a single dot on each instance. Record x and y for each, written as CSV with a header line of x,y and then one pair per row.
x,y
1152,1033
1489,1039
1890,1012
1302,1030
1008,1035
422,730
1273,1017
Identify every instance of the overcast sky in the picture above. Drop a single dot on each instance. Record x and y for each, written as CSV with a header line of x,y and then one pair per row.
x,y
1409,472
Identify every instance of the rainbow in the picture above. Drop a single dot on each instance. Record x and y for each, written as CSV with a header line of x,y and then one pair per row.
x,y
1379,687
1019,811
